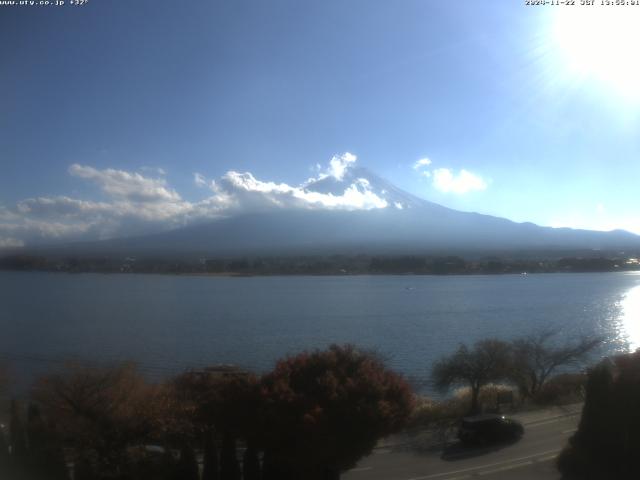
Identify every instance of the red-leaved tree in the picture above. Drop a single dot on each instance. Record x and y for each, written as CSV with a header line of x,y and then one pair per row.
x,y
324,410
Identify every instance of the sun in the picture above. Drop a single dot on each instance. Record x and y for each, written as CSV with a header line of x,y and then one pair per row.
x,y
602,43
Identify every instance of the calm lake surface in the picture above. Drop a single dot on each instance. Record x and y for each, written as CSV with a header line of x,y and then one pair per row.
x,y
168,323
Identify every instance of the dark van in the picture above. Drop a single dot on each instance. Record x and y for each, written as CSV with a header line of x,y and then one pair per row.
x,y
487,428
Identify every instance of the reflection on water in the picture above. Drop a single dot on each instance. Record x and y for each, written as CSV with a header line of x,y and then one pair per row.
x,y
631,317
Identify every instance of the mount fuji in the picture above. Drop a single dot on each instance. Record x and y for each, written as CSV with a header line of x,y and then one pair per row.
x,y
405,224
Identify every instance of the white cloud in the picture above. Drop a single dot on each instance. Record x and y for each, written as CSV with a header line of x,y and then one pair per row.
x,y
423,162
154,170
256,194
199,180
122,184
28,229
8,242
446,181
136,204
59,206
203,182
338,165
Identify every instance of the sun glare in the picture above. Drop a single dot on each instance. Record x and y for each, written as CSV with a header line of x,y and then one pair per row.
x,y
631,317
601,43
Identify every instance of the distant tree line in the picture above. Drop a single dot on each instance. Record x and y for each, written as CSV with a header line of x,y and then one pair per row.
x,y
318,265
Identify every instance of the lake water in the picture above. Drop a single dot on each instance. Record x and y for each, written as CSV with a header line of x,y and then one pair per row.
x,y
168,323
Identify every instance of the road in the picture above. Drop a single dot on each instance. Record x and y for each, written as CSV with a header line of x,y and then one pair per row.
x,y
531,458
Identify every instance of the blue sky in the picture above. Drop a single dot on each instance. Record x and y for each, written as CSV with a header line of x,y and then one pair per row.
x,y
102,101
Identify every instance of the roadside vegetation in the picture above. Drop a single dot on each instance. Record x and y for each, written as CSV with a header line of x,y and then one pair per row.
x,y
493,375
312,417
315,415
607,442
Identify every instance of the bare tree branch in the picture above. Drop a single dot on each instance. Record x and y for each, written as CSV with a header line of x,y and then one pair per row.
x,y
536,358
486,362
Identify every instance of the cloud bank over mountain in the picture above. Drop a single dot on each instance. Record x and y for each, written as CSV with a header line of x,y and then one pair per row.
x,y
446,180
135,203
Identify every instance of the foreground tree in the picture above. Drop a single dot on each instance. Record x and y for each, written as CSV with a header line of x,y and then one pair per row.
x,y
101,413
45,454
251,463
607,442
83,469
210,457
4,455
4,441
536,358
187,466
218,405
229,466
18,437
486,362
323,411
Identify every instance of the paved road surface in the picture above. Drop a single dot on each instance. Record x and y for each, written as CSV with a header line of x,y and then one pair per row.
x,y
531,458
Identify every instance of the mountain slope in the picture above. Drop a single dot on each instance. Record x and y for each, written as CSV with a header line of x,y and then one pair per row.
x,y
408,224
371,231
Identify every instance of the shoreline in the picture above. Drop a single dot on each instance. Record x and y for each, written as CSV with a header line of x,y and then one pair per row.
x,y
332,274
